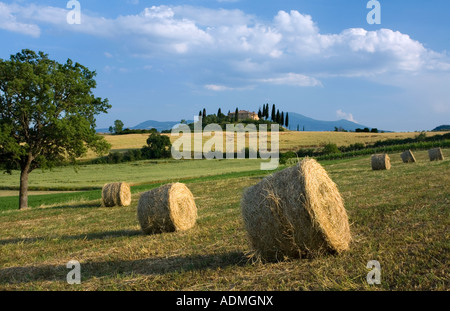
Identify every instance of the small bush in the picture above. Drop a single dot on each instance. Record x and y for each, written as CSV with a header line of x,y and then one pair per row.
x,y
330,149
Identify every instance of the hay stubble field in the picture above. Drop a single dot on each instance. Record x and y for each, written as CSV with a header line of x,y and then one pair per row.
x,y
289,141
399,217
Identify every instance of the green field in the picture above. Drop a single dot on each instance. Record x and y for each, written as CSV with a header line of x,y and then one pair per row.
x,y
86,177
398,217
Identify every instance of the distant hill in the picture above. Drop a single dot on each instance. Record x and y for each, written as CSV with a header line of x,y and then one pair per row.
x,y
313,125
442,128
294,119
160,126
147,125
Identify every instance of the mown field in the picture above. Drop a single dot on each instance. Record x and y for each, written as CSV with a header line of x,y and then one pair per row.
x,y
398,217
289,141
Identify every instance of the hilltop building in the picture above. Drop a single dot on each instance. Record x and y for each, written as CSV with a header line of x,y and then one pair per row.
x,y
244,114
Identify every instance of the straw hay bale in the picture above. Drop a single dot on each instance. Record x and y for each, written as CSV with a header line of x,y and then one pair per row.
x,y
381,162
166,209
436,154
116,194
408,157
295,212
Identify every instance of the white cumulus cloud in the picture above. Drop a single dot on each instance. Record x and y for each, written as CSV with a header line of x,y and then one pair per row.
x,y
293,79
287,50
217,88
9,22
346,116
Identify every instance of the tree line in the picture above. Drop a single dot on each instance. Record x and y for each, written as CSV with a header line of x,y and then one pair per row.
x,y
276,116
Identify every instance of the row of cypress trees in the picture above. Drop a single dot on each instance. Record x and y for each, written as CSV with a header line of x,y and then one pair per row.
x,y
276,115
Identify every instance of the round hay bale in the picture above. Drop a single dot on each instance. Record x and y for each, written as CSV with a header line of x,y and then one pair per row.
x,y
116,194
381,162
295,212
436,154
166,209
408,157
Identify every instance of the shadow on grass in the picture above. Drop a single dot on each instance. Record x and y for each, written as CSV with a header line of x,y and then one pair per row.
x,y
90,204
87,236
148,266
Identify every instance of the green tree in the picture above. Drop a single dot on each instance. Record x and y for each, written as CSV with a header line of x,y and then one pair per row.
x,y
330,148
273,113
118,126
282,119
236,115
287,120
158,146
47,114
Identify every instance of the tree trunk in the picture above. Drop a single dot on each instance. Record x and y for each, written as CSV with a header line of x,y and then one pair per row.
x,y
23,193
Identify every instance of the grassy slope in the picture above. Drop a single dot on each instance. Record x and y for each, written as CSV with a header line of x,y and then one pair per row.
x,y
88,177
49,200
398,217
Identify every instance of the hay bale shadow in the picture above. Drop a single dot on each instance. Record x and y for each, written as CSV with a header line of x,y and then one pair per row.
x,y
87,236
147,266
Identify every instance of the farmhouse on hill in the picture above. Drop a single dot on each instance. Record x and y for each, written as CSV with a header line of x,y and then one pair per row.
x,y
244,114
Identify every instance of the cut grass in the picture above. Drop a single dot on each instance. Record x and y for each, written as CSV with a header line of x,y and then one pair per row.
x,y
398,217
44,200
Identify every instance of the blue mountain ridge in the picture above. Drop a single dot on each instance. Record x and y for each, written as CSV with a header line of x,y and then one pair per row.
x,y
310,125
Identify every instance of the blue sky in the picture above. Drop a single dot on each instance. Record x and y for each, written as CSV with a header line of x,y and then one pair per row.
x,y
166,60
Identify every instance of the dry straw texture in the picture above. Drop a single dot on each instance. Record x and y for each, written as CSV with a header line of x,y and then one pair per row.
x,y
436,154
295,212
116,194
381,162
166,209
408,157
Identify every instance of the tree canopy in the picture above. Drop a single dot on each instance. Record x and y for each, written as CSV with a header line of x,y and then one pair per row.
x,y
47,113
158,146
